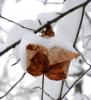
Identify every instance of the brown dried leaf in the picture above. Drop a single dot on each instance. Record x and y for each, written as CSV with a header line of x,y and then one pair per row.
x,y
38,63
58,55
48,32
54,62
58,71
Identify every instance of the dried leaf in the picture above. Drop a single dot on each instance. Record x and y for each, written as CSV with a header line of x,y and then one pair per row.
x,y
58,55
54,62
58,71
38,63
48,32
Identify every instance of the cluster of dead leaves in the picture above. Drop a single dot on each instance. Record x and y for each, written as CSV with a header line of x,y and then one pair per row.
x,y
54,62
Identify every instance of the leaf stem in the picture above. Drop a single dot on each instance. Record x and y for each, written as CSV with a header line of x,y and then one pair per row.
x,y
42,87
61,90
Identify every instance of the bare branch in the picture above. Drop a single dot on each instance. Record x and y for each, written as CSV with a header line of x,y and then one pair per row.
x,y
74,45
78,32
81,76
61,16
16,23
66,84
16,62
44,92
10,47
13,86
43,26
61,90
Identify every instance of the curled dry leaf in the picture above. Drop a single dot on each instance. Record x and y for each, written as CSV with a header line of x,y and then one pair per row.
x,y
48,32
54,62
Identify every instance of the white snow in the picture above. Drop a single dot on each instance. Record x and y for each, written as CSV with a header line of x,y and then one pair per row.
x,y
66,29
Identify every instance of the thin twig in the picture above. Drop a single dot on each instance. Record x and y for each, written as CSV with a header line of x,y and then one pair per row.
x,y
10,47
16,62
61,16
79,28
42,87
43,26
44,92
78,32
66,84
74,45
76,82
61,90
16,23
89,36
75,74
39,21
13,86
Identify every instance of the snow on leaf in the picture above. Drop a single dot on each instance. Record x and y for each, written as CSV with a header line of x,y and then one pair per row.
x,y
46,42
40,64
22,51
33,39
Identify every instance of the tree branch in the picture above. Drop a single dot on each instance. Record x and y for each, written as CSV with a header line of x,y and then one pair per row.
x,y
76,82
43,26
74,45
16,62
16,23
61,90
44,92
10,47
13,86
78,32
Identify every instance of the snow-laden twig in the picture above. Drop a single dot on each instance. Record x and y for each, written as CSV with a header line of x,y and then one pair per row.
x,y
43,26
66,84
10,47
74,45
